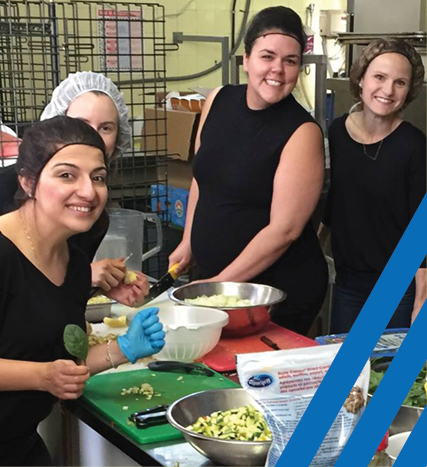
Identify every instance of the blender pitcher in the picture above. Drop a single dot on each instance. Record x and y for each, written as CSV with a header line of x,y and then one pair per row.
x,y
125,236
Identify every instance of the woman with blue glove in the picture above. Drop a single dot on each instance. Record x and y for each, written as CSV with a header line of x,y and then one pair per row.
x,y
45,282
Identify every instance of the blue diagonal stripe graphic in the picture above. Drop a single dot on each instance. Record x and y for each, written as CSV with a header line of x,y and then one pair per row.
x,y
414,453
388,398
359,344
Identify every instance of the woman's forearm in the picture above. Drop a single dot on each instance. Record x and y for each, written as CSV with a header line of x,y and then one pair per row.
x,y
193,197
20,375
260,253
103,357
420,291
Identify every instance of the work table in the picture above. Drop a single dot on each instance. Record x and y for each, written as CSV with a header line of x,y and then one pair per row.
x,y
90,445
167,453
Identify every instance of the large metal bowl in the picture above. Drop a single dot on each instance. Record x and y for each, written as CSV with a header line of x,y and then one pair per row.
x,y
187,410
407,416
243,321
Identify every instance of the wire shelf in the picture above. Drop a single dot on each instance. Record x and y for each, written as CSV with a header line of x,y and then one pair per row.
x,y
42,42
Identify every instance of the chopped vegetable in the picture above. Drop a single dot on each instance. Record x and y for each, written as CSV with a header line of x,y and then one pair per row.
x,y
243,424
130,277
99,299
222,300
115,322
95,340
145,390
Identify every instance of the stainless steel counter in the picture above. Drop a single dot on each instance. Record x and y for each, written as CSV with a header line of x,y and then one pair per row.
x,y
165,454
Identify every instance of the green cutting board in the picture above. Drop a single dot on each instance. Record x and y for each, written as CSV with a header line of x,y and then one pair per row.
x,y
103,392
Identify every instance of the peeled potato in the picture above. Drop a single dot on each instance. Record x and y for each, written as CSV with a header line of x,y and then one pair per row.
x,y
88,328
130,277
116,322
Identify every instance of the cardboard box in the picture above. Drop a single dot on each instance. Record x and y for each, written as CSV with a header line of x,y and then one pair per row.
x,y
170,205
181,130
180,174
178,208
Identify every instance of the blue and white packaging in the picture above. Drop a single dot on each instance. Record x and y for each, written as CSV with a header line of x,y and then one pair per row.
x,y
284,382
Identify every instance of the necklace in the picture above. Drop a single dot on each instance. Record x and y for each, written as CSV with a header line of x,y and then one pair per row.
x,y
373,157
27,234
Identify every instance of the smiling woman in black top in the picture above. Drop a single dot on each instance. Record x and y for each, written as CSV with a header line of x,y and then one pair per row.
x,y
258,175
45,283
378,179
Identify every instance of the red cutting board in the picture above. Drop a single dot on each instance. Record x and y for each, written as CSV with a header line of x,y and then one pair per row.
x,y
222,357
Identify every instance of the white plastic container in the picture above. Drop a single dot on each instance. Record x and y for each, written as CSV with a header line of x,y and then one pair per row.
x,y
191,332
396,443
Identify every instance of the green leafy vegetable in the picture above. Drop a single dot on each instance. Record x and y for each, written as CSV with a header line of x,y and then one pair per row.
x,y
76,341
416,396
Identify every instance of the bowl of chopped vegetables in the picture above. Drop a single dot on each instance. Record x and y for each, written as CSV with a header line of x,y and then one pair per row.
x,y
412,407
249,306
225,425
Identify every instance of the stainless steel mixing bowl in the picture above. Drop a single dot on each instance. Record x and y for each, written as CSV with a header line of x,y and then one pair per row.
x,y
187,410
243,321
407,416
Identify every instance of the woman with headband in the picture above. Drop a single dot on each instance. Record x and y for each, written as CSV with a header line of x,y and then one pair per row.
x,y
258,176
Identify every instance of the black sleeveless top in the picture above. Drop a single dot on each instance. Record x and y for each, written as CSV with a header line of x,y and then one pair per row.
x,y
235,168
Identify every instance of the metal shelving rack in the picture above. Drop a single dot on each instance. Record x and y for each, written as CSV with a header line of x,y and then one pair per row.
x,y
41,42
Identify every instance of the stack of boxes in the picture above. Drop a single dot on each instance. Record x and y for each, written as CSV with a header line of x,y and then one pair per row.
x,y
180,124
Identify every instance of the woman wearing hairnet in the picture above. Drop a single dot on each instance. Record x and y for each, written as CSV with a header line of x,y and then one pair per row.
x,y
95,99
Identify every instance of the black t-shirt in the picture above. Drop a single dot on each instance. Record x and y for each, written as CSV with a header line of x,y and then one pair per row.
x,y
87,241
371,202
33,315
235,168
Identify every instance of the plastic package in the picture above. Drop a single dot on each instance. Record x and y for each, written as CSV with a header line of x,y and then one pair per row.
x,y
283,382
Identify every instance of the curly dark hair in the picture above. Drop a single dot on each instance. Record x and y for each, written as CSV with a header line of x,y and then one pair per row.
x,y
44,139
275,18
383,46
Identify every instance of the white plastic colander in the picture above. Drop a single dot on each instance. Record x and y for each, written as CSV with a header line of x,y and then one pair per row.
x,y
191,331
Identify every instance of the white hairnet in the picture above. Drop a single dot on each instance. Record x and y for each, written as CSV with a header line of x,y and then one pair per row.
x,y
84,81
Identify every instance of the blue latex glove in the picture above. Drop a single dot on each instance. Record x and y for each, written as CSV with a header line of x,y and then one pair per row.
x,y
145,336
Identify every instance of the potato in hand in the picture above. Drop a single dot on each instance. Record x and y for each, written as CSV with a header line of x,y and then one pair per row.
x,y
130,277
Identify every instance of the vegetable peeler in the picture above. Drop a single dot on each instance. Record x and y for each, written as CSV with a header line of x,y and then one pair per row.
x,y
150,417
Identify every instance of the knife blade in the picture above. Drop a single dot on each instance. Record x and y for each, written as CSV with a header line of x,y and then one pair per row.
x,y
162,284
158,288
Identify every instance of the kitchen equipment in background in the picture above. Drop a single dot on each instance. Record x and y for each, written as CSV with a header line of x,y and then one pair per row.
x,y
187,410
103,392
191,332
98,308
222,357
125,236
243,320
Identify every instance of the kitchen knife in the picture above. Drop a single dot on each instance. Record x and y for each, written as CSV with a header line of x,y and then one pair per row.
x,y
158,288
162,284
269,342
169,365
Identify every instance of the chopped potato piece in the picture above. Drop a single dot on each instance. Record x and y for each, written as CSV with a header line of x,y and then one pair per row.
x,y
130,277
